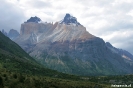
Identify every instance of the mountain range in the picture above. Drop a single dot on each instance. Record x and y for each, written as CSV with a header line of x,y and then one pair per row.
x,y
68,47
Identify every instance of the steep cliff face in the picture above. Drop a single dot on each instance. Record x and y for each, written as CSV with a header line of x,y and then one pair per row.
x,y
32,33
32,27
66,46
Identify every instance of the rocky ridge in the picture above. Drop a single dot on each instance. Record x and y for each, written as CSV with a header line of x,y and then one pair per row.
x,y
123,53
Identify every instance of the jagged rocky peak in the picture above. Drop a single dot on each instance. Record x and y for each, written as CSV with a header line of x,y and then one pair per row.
x,y
4,32
108,44
68,19
13,34
34,19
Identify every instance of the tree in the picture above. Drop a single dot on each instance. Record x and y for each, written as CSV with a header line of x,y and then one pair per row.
x,y
1,83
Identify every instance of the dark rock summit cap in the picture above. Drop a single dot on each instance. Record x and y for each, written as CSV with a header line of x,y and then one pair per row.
x,y
34,19
69,19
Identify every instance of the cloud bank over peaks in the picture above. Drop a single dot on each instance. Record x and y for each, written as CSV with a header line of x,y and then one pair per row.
x,y
11,16
108,19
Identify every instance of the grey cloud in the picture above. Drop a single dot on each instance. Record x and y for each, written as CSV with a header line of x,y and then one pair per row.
x,y
129,48
125,7
126,45
11,16
117,19
116,27
123,39
115,16
98,3
38,4
120,40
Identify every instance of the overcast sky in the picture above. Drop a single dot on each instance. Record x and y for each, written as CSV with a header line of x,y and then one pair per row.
x,y
111,20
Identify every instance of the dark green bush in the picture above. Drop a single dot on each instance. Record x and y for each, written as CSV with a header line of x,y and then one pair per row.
x,y
1,82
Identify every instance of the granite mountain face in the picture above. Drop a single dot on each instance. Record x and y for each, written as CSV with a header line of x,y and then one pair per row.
x,y
66,46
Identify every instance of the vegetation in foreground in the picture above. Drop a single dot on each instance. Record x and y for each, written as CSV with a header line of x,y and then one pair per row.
x,y
15,73
10,79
